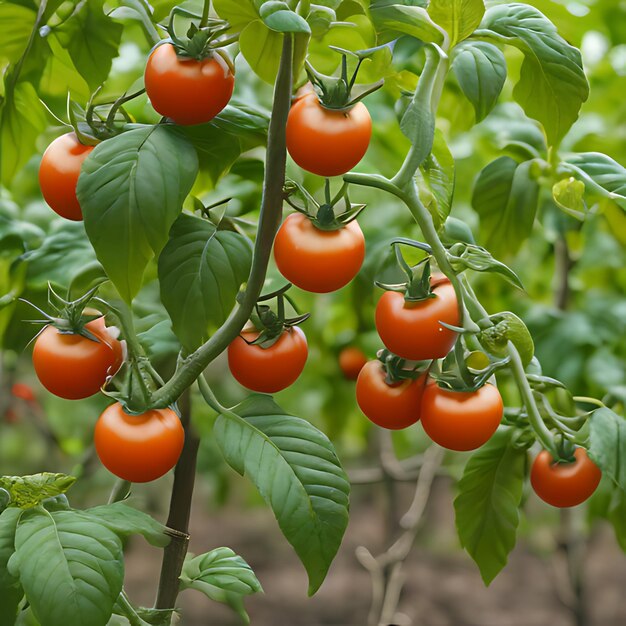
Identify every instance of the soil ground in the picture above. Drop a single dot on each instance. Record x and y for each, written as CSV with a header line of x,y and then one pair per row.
x,y
443,586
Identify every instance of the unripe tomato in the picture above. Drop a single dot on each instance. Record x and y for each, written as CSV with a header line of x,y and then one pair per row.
x,y
139,448
58,175
564,484
461,420
72,366
268,370
412,329
351,361
187,91
327,142
390,406
317,260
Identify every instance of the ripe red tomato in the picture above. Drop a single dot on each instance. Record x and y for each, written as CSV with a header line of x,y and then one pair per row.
x,y
72,366
564,484
23,392
186,90
412,329
139,448
58,175
390,406
324,141
318,260
461,420
268,370
351,361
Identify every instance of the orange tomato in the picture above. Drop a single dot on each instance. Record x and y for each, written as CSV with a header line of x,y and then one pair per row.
x,y
351,362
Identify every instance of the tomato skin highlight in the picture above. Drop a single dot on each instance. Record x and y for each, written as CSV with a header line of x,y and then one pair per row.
x,y
389,406
138,448
187,91
268,370
58,175
461,420
319,261
327,142
351,362
72,366
564,484
412,329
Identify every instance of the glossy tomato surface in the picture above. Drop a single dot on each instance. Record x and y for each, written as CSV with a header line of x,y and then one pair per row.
x,y
412,329
186,90
461,420
317,260
327,142
58,175
139,448
564,484
390,406
351,362
73,366
268,370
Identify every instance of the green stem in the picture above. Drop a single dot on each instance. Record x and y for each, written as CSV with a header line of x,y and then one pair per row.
x,y
269,222
206,9
534,417
129,611
209,396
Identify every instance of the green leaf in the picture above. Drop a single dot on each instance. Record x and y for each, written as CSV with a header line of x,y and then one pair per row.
x,y
70,565
22,119
200,272
239,13
480,69
468,256
131,191
124,521
601,174
505,198
459,18
11,591
552,84
277,15
296,470
222,576
486,508
569,194
28,491
262,48
92,39
437,177
607,445
393,19
17,24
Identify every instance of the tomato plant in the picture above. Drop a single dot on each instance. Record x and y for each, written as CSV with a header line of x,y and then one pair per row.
x,y
138,448
490,206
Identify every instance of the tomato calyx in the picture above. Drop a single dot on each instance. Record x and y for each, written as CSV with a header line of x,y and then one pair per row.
x,y
326,216
339,93
398,369
272,324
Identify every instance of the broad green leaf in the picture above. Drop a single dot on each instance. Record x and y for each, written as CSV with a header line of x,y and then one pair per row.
x,y
505,198
60,74
70,565
222,576
459,18
64,253
17,23
277,15
200,272
601,174
436,179
22,119
131,191
552,84
486,508
607,449
617,517
480,69
28,491
10,590
296,470
123,520
239,13
92,39
393,19
262,48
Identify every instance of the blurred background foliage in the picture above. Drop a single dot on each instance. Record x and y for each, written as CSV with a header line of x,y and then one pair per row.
x,y
574,272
